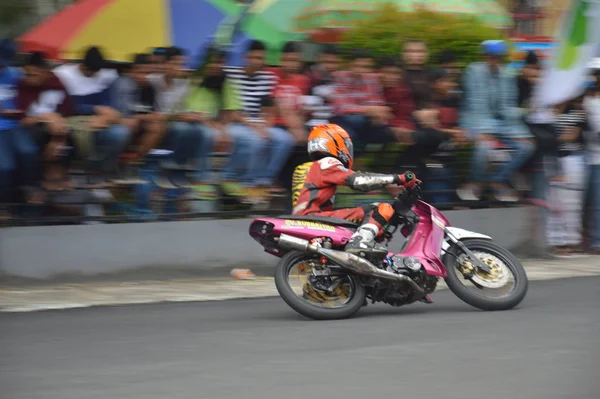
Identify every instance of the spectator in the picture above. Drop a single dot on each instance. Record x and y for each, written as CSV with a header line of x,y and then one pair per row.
x,y
159,58
444,101
491,113
566,190
184,138
423,141
416,76
210,105
9,78
399,99
359,106
135,98
269,145
448,62
289,94
527,80
592,140
43,128
98,135
318,102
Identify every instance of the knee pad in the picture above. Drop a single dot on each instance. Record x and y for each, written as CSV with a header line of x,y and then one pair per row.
x,y
383,213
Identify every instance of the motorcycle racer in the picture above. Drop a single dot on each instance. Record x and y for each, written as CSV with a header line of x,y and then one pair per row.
x,y
331,149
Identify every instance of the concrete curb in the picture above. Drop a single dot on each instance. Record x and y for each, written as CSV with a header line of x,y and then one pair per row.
x,y
46,296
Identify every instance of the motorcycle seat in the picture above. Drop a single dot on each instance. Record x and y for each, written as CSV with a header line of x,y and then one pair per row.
x,y
322,219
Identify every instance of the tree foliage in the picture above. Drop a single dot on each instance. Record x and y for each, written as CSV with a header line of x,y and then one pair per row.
x,y
387,29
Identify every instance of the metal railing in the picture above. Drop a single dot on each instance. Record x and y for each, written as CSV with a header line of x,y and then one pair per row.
x,y
441,176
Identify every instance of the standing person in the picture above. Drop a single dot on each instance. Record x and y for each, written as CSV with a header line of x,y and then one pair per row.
x,y
288,95
98,134
9,79
271,146
567,183
491,113
592,144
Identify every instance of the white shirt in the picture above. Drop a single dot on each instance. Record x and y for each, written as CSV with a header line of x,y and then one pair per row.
x,y
169,99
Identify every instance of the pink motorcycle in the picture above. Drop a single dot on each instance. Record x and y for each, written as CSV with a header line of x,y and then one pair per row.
x,y
334,284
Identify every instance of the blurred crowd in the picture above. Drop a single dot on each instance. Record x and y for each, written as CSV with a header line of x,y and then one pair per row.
x,y
258,117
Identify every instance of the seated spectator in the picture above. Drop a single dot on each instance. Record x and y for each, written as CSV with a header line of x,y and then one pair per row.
x,y
98,134
359,106
445,102
134,97
183,137
9,79
318,102
209,106
268,145
422,141
567,187
491,113
592,144
43,127
288,96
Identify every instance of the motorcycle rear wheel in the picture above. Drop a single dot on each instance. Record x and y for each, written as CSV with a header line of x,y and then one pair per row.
x,y
304,307
482,302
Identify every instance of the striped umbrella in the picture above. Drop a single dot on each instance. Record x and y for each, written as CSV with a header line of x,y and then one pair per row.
x,y
124,27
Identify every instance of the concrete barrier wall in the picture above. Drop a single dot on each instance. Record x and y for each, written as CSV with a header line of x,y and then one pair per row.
x,y
191,246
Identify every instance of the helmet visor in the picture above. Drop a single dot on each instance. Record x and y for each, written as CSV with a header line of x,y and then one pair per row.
x,y
350,147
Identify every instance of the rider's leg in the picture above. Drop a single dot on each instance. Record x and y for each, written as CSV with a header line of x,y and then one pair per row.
x,y
363,240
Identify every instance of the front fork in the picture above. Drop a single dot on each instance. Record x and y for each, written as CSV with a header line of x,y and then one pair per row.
x,y
475,261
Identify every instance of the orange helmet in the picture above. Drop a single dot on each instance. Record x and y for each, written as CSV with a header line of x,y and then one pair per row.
x,y
331,141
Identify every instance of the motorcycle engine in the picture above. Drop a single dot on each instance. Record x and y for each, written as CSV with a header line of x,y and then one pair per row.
x,y
411,267
404,265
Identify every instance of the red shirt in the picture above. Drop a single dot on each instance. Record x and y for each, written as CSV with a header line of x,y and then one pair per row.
x,y
289,92
400,100
50,97
448,113
352,93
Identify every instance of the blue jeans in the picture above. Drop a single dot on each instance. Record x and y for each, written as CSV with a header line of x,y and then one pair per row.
x,y
256,161
192,142
594,187
113,140
7,165
243,158
523,150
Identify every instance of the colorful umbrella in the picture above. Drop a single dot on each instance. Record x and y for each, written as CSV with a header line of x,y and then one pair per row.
x,y
124,27
324,14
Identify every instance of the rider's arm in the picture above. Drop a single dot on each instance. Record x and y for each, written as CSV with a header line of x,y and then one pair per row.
x,y
333,172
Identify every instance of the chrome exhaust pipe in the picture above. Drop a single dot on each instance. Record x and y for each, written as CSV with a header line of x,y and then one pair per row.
x,y
346,260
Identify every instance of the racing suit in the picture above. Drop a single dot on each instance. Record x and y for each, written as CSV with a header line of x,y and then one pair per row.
x,y
317,196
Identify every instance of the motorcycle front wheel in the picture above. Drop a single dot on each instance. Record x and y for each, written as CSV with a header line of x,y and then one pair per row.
x,y
318,298
502,289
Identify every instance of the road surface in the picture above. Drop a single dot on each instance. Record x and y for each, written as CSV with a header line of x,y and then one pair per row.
x,y
549,348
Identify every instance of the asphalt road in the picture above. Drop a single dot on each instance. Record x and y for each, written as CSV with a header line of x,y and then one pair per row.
x,y
549,348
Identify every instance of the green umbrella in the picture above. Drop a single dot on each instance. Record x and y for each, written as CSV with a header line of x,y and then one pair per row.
x,y
343,13
270,21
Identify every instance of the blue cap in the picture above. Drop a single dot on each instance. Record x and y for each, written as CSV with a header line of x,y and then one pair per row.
x,y
496,48
8,50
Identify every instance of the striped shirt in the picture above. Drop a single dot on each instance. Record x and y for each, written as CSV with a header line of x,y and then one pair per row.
x,y
318,105
571,118
254,91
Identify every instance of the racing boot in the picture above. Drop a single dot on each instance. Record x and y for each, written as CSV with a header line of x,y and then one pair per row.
x,y
362,243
